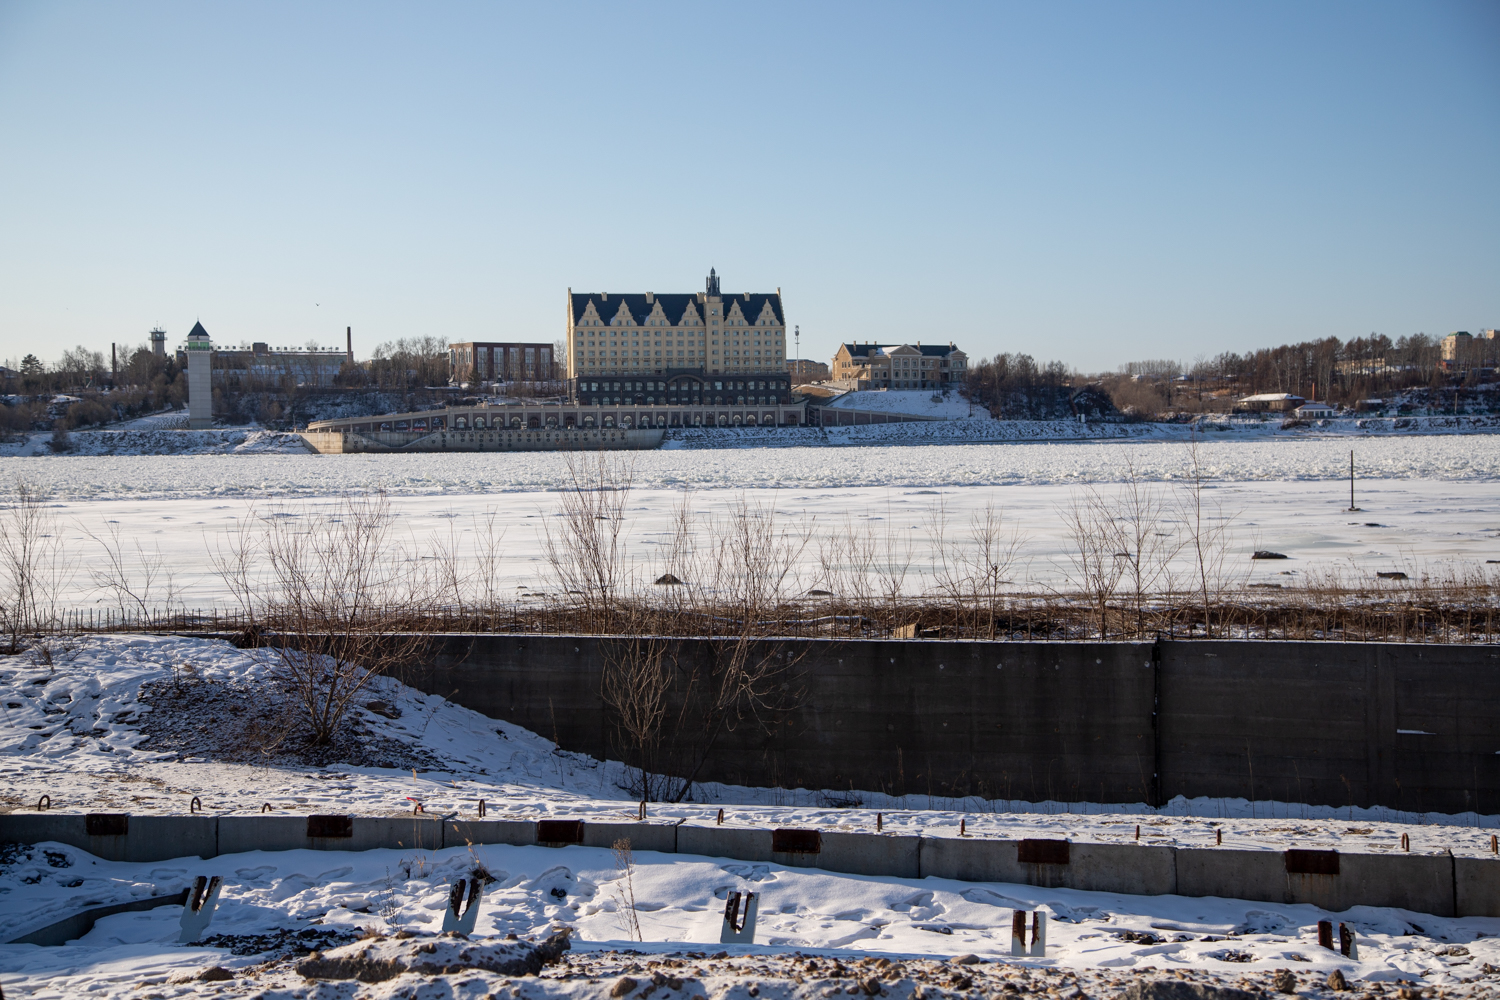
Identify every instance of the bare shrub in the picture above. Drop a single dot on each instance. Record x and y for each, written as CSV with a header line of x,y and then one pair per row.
x,y
582,543
1094,552
1209,542
970,571
340,602
1147,551
636,684
34,566
624,891
139,581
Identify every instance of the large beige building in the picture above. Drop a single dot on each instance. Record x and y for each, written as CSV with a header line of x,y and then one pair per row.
x,y
900,366
706,333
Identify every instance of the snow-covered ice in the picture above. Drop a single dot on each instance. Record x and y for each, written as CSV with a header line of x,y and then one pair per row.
x,y
1406,524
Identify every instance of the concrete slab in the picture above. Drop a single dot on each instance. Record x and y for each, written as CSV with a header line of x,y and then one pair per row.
x,y
725,842
1477,886
160,838
1209,871
398,833
648,836
975,859
262,832
1421,882
36,828
1138,869
517,832
863,854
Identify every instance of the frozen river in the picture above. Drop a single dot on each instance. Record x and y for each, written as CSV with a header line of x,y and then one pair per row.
x,y
1448,458
1428,503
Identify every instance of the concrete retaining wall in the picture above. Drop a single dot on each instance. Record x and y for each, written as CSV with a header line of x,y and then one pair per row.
x,y
1412,727
1426,883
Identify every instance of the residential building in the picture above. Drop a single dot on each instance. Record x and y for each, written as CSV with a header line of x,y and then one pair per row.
x,y
262,364
1463,350
1315,411
496,361
900,366
804,371
1268,402
679,348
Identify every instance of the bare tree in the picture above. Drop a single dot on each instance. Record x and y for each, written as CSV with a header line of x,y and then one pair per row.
x,y
34,566
142,583
1209,541
1147,551
636,684
1094,551
583,544
970,571
750,672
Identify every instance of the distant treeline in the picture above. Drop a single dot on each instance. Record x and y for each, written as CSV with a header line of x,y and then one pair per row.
x,y
1340,372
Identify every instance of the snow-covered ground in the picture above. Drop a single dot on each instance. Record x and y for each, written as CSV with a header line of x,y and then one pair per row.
x,y
110,730
910,402
149,441
1096,942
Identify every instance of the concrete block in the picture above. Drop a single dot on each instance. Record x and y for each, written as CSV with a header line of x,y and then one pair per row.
x,y
725,842
397,833
1138,869
1421,882
262,832
518,832
1259,875
1477,882
864,854
147,838
974,859
160,838
647,836
38,827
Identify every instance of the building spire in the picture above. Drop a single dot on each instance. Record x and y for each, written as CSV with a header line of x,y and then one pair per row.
x,y
713,282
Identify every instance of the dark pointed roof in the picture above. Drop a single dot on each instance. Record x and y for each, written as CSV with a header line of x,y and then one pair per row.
x,y
672,305
197,331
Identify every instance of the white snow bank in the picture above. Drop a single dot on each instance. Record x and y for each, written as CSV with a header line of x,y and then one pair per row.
x,y
334,896
916,403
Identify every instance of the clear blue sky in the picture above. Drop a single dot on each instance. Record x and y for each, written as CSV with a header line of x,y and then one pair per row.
x,y
1092,182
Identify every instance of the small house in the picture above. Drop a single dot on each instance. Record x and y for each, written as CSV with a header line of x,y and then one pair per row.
x,y
1268,402
1314,411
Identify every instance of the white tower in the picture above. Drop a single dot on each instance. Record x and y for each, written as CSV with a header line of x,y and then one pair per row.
x,y
200,356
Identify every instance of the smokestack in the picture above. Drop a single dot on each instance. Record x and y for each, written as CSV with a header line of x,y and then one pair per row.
x,y
349,343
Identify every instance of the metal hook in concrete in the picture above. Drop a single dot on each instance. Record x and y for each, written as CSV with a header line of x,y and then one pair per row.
x,y
194,805
265,808
45,802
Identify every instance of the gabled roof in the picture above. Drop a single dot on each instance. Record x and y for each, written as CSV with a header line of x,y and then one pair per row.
x,y
928,350
673,305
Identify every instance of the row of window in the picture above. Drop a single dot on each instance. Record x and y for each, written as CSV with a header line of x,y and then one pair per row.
x,y
617,321
718,385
